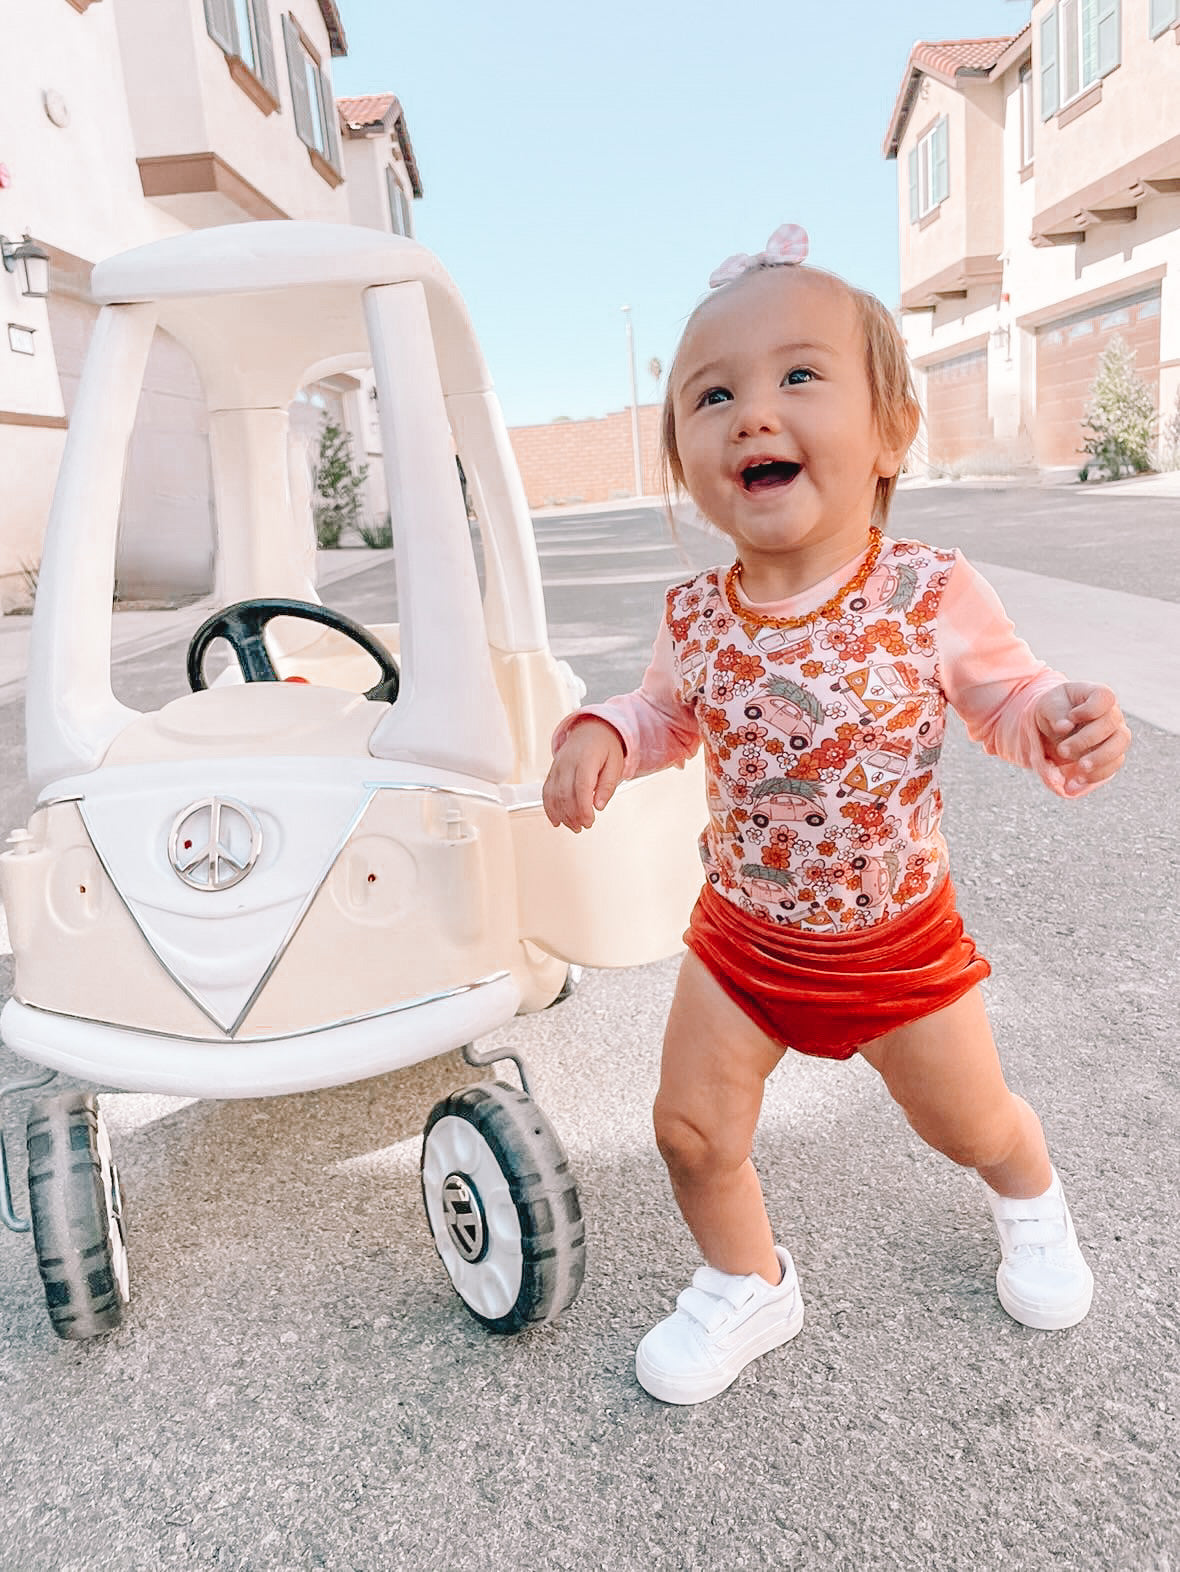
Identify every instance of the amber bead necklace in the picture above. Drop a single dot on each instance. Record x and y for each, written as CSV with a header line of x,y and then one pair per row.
x,y
830,608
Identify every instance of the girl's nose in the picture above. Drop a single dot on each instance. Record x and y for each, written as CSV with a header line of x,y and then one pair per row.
x,y
754,414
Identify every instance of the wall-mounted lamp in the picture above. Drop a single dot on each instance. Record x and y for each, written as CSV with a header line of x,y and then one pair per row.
x,y
1001,337
30,262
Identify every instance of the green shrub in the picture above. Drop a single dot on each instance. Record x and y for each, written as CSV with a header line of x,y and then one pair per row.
x,y
1119,416
379,536
337,484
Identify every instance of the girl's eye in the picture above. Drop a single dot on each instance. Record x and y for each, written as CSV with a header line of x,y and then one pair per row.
x,y
795,377
713,396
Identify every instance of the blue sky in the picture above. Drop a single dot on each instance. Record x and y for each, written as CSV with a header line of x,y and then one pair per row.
x,y
576,159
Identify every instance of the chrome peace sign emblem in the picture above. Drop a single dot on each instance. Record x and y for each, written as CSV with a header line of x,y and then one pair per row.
x,y
214,843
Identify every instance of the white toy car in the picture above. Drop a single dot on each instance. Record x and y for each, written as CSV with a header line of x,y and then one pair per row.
x,y
268,887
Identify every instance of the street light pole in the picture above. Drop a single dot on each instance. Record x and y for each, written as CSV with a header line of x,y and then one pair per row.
x,y
636,456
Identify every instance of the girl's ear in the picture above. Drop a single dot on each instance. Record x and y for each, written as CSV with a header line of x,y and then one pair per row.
x,y
898,441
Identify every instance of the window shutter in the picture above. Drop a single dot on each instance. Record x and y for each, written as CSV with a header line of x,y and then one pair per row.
x,y
219,20
1108,35
939,176
300,102
1049,93
264,44
913,172
331,123
1089,22
393,191
1162,13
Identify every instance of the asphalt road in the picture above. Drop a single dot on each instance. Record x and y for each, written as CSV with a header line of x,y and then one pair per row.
x,y
297,1387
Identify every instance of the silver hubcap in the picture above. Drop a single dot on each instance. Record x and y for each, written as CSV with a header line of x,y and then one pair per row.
x,y
464,1217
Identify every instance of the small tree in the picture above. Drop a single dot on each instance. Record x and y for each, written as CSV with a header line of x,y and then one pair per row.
x,y
337,484
1169,447
1119,416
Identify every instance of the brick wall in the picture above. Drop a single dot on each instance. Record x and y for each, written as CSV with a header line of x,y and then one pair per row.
x,y
587,460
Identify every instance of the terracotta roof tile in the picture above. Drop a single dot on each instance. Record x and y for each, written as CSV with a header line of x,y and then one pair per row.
x,y
944,59
368,110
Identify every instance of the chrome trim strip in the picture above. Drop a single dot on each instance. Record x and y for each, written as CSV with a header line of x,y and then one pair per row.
x,y
302,913
274,1037
53,802
446,791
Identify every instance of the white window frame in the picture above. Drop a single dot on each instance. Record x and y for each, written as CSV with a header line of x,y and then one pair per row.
x,y
1027,116
1162,14
399,208
312,98
928,198
1075,30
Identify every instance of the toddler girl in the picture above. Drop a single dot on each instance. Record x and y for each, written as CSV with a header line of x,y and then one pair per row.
x,y
815,672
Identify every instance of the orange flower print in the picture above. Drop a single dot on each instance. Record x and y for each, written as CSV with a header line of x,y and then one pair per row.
x,y
745,668
887,635
717,721
724,686
847,730
776,857
923,610
806,895
812,668
826,848
679,628
751,732
783,835
908,715
922,642
774,745
751,767
833,903
914,788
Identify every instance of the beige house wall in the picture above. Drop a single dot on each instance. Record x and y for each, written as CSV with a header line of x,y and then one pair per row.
x,y
969,223
214,115
366,158
1133,111
1038,283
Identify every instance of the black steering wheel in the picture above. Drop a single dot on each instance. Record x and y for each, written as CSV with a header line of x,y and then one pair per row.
x,y
241,627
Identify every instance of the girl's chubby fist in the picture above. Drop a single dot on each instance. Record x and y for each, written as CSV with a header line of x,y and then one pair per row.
x,y
1083,733
584,773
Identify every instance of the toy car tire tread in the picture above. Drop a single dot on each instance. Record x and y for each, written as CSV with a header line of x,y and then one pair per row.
x,y
76,1207
536,1169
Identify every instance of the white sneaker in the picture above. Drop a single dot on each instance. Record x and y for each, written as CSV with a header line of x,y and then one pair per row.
x,y
720,1323
1043,1280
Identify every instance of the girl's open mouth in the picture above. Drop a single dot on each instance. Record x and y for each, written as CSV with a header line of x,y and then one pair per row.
x,y
769,474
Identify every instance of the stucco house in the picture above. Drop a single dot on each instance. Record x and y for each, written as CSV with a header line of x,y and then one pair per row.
x,y
122,121
1039,215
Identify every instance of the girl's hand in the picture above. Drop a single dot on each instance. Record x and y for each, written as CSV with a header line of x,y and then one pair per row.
x,y
584,773
1083,733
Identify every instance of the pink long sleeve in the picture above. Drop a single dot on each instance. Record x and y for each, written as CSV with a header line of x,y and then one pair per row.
x,y
991,677
656,728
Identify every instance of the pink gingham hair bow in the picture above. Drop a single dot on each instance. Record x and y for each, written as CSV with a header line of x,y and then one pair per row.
x,y
787,247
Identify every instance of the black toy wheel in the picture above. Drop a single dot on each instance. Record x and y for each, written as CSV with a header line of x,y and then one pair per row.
x,y
502,1207
76,1206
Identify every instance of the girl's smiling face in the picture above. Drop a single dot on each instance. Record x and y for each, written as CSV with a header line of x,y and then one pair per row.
x,y
775,429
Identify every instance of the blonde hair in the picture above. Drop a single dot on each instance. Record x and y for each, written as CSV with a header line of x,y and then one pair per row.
x,y
891,390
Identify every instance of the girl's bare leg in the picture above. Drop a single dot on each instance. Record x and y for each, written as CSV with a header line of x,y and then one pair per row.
x,y
715,1065
945,1073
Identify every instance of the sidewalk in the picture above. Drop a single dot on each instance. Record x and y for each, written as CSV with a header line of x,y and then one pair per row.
x,y
136,632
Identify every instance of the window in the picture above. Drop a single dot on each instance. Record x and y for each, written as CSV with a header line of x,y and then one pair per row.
x,y
1026,116
242,29
311,97
1079,46
399,208
1162,14
928,172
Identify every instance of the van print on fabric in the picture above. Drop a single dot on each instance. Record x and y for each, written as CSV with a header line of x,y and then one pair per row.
x,y
821,743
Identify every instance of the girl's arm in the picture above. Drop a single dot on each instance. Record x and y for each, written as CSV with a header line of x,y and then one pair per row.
x,y
597,747
655,727
1071,733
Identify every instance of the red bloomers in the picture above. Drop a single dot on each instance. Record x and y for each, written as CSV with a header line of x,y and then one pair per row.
x,y
827,994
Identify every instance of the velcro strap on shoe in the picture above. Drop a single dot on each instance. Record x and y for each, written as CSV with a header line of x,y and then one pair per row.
x,y
706,1309
736,1291
1034,1232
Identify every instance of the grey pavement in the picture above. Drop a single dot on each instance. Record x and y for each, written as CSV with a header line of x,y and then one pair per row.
x,y
297,1387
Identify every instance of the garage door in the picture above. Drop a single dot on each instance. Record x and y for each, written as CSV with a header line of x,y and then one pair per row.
x,y
1068,351
957,422
166,522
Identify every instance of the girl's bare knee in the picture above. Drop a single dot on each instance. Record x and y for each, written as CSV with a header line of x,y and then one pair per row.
x,y
689,1148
